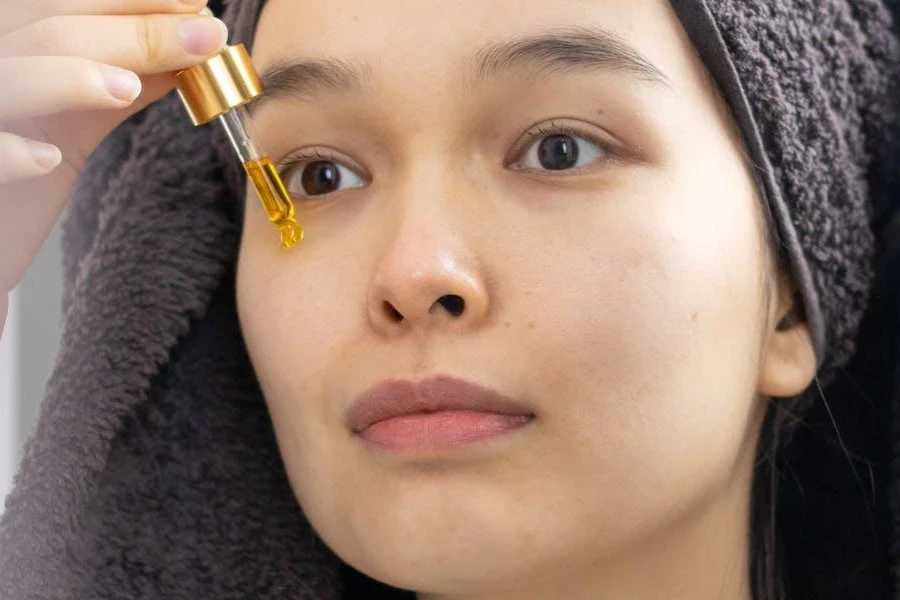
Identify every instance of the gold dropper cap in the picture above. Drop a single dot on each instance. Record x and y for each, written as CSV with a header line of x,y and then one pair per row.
x,y
225,81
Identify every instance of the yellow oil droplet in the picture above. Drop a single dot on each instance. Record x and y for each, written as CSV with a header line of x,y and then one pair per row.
x,y
275,199
291,234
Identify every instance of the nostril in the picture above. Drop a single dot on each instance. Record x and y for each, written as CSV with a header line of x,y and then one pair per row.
x,y
392,313
453,304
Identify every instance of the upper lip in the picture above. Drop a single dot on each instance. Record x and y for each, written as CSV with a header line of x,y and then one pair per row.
x,y
393,398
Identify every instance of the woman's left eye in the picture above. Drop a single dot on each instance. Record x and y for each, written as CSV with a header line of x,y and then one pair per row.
x,y
320,177
560,152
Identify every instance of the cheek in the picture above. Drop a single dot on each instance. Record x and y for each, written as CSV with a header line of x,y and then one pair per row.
x,y
295,308
650,332
634,324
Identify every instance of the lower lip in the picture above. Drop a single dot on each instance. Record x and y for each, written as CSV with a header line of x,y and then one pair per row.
x,y
442,429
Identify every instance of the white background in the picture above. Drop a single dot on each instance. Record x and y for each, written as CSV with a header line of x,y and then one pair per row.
x,y
9,397
28,349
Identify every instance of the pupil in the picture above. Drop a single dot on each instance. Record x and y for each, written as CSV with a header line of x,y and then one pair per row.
x,y
320,177
558,152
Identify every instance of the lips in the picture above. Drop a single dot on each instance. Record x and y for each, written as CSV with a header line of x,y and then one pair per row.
x,y
435,415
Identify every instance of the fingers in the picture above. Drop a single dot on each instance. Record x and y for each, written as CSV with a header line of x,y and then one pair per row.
x,y
25,159
21,13
48,85
145,44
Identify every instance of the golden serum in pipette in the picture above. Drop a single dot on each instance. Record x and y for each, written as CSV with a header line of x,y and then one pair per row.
x,y
275,199
219,89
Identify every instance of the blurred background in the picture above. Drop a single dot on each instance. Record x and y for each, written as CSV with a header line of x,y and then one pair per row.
x,y
28,348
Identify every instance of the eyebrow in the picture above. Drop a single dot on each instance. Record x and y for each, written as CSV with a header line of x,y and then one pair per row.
x,y
561,51
303,78
568,50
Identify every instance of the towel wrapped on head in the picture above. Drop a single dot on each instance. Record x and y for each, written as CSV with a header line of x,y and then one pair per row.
x,y
153,471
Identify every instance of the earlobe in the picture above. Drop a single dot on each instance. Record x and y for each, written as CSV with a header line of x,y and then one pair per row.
x,y
788,364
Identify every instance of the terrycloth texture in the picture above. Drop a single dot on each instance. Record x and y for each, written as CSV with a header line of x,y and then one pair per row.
x,y
811,89
154,473
814,88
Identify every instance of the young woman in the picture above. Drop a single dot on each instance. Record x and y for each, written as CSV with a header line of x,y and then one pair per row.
x,y
572,275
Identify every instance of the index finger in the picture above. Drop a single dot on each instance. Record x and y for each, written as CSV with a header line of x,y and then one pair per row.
x,y
14,15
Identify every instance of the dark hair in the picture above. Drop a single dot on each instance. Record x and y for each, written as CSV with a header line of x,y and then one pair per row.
x,y
767,554
820,520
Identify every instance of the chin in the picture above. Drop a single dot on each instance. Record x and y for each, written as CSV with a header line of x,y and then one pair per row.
x,y
441,568
430,542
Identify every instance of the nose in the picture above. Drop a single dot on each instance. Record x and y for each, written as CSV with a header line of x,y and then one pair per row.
x,y
426,281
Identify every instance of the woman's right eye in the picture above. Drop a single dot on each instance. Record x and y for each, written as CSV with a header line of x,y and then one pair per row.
x,y
319,177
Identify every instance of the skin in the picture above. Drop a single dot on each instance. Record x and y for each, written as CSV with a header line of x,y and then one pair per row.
x,y
631,303
81,68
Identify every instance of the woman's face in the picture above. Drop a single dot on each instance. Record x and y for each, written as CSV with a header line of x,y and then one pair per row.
x,y
542,199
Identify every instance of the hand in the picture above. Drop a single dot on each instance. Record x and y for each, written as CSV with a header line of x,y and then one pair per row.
x,y
70,72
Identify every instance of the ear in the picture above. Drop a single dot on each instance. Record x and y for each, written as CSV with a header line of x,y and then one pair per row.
x,y
788,363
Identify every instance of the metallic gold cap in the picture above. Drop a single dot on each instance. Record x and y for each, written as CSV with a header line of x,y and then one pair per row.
x,y
225,81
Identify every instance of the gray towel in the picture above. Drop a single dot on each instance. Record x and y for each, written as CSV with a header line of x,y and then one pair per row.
x,y
153,471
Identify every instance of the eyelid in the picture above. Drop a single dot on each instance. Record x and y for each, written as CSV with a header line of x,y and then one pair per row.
x,y
303,156
554,127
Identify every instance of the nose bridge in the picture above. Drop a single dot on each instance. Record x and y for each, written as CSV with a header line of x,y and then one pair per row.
x,y
429,273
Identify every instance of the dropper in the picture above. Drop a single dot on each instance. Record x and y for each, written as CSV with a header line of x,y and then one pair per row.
x,y
219,89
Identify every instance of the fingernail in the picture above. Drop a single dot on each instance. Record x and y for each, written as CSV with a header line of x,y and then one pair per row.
x,y
203,35
121,83
47,156
206,11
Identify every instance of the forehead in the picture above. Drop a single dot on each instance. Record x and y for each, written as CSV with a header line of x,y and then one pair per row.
x,y
406,36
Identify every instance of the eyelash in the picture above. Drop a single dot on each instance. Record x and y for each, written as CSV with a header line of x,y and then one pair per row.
x,y
300,158
553,128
